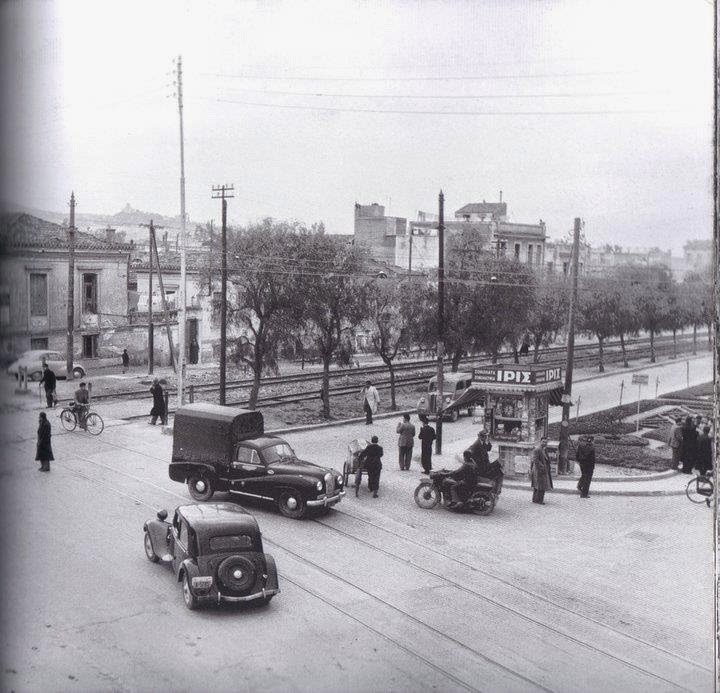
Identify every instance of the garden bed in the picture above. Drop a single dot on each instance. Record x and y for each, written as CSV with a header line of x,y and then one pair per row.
x,y
702,392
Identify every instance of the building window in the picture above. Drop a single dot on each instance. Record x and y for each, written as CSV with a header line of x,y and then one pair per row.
x,y
90,346
38,295
38,343
565,268
4,308
89,295
530,254
517,251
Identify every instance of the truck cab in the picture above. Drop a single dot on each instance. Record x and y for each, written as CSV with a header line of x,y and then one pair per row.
x,y
454,385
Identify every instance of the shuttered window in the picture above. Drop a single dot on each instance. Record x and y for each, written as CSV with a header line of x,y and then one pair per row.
x,y
38,295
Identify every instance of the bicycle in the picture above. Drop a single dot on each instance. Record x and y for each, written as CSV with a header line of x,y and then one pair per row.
x,y
701,489
94,424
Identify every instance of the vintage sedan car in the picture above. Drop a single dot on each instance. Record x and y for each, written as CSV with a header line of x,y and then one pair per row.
x,y
216,553
33,361
217,448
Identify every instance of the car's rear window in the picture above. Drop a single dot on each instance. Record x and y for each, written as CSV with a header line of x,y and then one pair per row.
x,y
230,542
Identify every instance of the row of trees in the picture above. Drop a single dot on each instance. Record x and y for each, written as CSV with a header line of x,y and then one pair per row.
x,y
300,291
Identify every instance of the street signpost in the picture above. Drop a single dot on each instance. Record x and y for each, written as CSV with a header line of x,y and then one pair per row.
x,y
639,379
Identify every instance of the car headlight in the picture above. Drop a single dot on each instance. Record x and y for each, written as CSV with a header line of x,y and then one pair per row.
x,y
422,400
448,398
319,486
339,480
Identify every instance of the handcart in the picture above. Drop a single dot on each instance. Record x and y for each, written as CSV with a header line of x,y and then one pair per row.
x,y
355,447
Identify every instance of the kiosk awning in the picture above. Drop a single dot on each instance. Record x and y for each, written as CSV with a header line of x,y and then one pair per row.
x,y
473,395
555,396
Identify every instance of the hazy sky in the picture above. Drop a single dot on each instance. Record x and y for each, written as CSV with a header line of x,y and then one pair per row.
x,y
595,109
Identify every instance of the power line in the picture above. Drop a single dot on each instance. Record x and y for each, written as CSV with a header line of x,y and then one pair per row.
x,y
642,111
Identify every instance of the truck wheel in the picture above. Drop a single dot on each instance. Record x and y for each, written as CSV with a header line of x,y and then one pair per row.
x,y
292,504
201,487
191,601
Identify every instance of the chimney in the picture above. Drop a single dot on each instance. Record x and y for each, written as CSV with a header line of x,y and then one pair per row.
x,y
110,235
501,196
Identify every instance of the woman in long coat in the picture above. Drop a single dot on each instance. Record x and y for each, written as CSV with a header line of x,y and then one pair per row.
x,y
689,445
540,475
44,446
158,408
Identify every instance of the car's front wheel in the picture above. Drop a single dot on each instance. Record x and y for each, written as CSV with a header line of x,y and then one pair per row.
x,y
201,487
292,504
149,551
78,372
191,601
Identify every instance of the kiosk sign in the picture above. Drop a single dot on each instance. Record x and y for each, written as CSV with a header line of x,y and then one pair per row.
x,y
532,375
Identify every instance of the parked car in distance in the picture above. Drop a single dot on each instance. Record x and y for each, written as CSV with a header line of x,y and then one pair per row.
x,y
33,360
454,384
218,448
216,553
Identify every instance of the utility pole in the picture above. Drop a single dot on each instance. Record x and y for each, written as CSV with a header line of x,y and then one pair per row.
x,y
410,254
166,313
223,192
151,335
182,321
564,448
71,290
440,321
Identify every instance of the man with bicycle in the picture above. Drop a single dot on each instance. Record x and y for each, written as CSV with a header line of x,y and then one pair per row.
x,y
82,405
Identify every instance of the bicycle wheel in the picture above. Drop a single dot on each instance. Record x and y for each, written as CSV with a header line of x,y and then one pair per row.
x,y
68,420
94,424
693,492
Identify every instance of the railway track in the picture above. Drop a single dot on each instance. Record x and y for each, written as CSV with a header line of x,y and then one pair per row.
x,y
563,627
418,371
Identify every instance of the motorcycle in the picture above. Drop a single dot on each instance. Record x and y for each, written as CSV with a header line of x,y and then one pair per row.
x,y
481,500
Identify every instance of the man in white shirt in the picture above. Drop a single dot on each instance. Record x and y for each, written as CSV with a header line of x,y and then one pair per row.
x,y
371,399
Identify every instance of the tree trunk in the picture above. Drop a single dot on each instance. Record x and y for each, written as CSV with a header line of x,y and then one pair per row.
x,y
494,354
624,352
326,386
391,368
455,361
516,356
536,354
709,326
255,389
674,343
601,363
652,346
694,338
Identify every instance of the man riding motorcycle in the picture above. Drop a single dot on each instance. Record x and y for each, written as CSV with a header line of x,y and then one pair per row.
x,y
461,482
478,453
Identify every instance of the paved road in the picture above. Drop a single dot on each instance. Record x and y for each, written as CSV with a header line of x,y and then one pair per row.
x,y
610,593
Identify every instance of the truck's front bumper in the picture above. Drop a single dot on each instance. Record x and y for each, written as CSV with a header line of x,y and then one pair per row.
x,y
326,501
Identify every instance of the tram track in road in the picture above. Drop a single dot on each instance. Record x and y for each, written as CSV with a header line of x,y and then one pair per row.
x,y
452,583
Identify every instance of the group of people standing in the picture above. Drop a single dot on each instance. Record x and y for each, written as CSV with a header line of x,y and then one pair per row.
x,y
691,445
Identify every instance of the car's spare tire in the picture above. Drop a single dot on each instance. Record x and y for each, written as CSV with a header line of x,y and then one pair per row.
x,y
237,574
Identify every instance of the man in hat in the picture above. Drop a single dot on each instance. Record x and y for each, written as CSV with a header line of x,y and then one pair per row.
x,y
478,452
371,399
82,404
585,456
540,472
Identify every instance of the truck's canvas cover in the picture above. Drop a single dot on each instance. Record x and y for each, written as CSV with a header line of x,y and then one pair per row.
x,y
209,432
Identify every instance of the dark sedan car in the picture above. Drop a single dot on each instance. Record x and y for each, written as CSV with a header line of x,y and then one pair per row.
x,y
218,448
216,553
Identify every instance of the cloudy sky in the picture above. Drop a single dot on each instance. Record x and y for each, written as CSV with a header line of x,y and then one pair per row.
x,y
601,110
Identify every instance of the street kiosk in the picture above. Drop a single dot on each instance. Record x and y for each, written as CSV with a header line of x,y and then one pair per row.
x,y
516,400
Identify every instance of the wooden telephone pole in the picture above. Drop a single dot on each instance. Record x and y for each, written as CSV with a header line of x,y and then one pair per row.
x,y
151,329
564,448
440,321
70,345
223,192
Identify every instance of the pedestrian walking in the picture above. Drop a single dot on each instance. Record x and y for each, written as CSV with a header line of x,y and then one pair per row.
x,y
49,381
125,360
44,453
194,350
689,445
371,400
426,436
585,455
704,451
675,442
405,442
370,460
540,475
158,408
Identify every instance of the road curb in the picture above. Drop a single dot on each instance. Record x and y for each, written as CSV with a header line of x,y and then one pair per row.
x,y
600,492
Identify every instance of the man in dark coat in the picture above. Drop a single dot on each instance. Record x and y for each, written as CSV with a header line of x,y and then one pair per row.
x,y
369,459
406,439
125,360
675,443
585,456
158,408
540,475
44,451
478,452
49,381
689,445
426,436
461,482
704,451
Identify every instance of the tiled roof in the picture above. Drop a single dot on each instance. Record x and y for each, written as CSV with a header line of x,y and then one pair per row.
x,y
530,229
496,208
26,231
